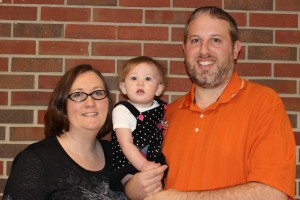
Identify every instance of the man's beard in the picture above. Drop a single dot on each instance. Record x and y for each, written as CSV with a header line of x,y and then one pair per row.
x,y
207,79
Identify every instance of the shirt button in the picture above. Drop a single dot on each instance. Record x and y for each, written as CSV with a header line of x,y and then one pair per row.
x,y
202,115
196,130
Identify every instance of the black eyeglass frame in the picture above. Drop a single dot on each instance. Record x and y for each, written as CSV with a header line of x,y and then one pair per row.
x,y
87,95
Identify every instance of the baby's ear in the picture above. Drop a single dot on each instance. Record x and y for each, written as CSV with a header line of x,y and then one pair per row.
x,y
160,89
122,87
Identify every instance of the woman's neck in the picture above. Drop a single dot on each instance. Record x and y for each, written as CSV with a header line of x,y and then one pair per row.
x,y
78,142
86,152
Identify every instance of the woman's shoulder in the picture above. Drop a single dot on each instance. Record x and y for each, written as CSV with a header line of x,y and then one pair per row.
x,y
106,144
38,150
43,145
31,159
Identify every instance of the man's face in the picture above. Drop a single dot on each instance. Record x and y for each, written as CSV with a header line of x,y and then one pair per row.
x,y
209,52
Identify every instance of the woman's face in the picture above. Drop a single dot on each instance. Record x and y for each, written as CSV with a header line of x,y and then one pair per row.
x,y
88,115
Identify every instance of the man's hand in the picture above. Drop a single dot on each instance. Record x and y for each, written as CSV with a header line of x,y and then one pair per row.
x,y
145,183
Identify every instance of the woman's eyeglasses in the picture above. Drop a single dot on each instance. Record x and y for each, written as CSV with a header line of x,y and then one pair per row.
x,y
82,96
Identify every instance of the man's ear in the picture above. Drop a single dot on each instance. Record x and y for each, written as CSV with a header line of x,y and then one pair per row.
x,y
236,49
122,87
160,89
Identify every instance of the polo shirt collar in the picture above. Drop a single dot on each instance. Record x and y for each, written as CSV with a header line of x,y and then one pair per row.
x,y
234,86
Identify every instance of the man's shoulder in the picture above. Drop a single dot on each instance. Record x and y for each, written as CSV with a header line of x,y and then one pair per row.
x,y
257,89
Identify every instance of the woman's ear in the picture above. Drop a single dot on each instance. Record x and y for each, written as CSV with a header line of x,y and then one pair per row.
x,y
122,87
159,90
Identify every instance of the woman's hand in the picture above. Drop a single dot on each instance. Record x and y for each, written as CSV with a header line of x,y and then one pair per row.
x,y
145,183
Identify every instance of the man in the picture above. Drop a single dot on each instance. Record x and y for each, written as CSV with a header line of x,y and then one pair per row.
x,y
227,138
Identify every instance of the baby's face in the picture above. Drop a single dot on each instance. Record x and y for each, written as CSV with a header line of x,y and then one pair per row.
x,y
142,83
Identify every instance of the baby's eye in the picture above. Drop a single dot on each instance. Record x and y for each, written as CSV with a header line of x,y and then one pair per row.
x,y
148,78
133,78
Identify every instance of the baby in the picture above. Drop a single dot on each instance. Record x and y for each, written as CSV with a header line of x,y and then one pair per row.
x,y
138,123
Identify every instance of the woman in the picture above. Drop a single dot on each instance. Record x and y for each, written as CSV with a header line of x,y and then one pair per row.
x,y
72,162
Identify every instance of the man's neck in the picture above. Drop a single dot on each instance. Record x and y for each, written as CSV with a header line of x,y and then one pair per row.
x,y
204,97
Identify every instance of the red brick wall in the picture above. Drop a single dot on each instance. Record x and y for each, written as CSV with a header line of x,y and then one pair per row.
x,y
40,39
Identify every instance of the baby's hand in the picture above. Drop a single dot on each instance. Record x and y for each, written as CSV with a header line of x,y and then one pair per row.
x,y
148,165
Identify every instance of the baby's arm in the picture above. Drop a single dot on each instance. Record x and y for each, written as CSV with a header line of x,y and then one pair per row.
x,y
131,152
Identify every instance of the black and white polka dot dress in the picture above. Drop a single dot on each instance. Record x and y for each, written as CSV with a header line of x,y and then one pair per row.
x,y
147,136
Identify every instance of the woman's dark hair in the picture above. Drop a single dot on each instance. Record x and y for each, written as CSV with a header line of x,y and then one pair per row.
x,y
56,119
214,12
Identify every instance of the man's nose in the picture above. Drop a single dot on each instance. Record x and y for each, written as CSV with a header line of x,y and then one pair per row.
x,y
204,48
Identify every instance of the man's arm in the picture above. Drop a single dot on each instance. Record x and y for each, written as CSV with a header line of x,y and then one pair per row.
x,y
248,191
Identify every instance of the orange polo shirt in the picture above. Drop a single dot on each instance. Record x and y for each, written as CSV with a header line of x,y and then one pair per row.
x,y
245,136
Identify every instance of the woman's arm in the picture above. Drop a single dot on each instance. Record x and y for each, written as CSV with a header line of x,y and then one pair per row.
x,y
27,179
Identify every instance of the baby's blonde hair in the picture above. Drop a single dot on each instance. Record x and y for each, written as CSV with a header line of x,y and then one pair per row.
x,y
133,62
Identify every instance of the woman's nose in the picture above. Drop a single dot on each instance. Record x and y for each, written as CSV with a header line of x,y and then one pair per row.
x,y
90,101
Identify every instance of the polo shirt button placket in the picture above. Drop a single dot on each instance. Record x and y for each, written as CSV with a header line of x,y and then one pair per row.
x,y
201,116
